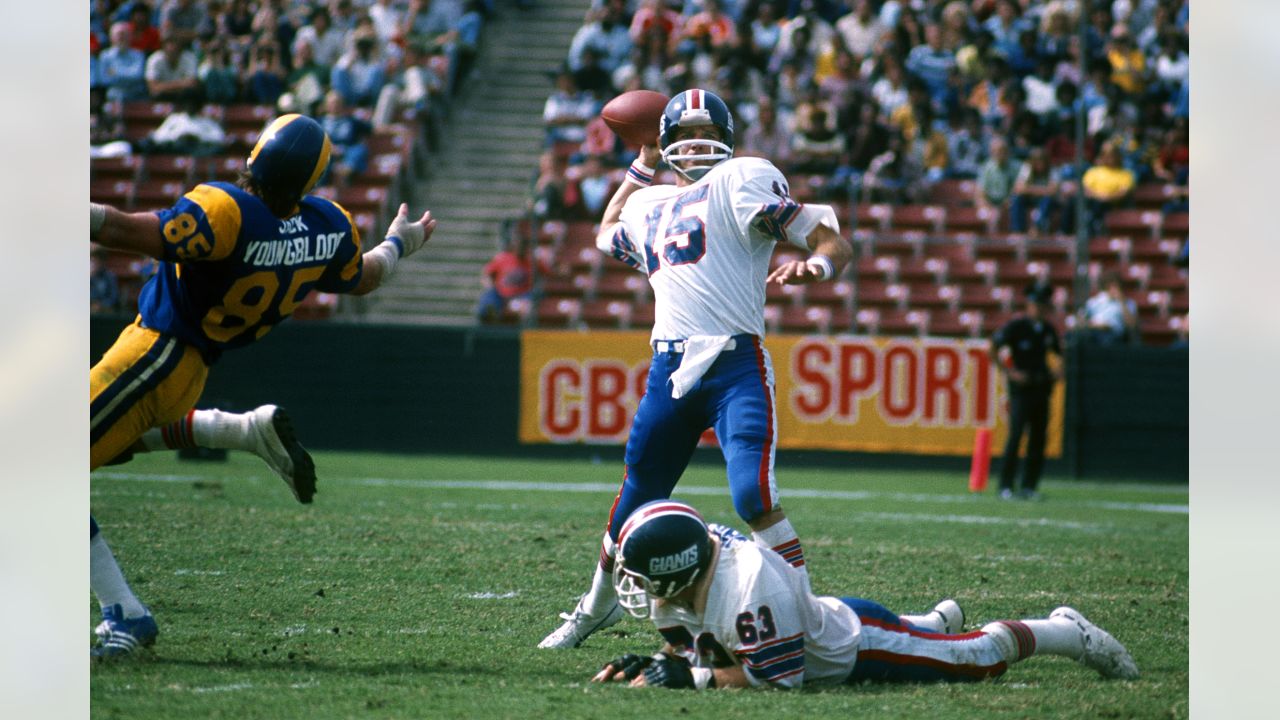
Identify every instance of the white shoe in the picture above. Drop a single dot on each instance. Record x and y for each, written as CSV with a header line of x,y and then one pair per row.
x,y
578,626
1102,652
952,616
273,440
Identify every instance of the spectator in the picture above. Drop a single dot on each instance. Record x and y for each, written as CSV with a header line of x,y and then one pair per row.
x,y
104,287
1110,318
181,20
606,31
1041,89
1107,184
271,22
966,143
816,147
653,16
1173,67
1128,64
551,188
567,111
768,137
327,42
123,69
644,71
592,78
594,187
360,73
843,85
1021,350
348,135
264,81
890,91
713,24
508,276
997,177
803,36
237,25
931,62
146,37
1057,31
894,176
974,59
1172,164
861,29
219,81
988,96
437,22
867,141
307,81
388,20
171,73
765,34
1036,187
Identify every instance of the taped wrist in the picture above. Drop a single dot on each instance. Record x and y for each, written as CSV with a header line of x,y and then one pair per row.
x,y
640,174
704,678
826,269
386,255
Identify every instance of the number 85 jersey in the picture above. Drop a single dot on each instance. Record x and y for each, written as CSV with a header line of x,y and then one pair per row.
x,y
706,247
232,270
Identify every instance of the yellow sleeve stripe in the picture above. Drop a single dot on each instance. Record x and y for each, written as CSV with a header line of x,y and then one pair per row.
x,y
223,215
353,267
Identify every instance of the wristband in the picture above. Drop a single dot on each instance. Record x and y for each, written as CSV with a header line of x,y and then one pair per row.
x,y
97,216
385,255
398,243
640,174
703,678
826,269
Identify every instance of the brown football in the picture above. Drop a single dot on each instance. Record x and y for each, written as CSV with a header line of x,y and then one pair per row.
x,y
635,115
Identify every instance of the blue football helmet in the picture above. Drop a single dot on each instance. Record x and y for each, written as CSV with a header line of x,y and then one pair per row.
x,y
695,108
663,547
291,156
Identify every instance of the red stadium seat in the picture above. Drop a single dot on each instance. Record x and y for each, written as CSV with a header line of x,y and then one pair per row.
x,y
953,248
1166,277
156,195
244,117
116,193
993,321
870,293
904,243
875,216
1153,303
838,294
558,312
930,296
114,168
953,194
965,324
784,295
1133,222
1110,250
1053,249
982,220
1177,224
612,314
877,268
1180,301
1161,331
625,284
982,297
807,320
169,168
1153,196
904,322
317,306
1005,247
926,218
565,285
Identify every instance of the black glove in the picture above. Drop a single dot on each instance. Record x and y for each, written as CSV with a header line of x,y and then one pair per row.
x,y
669,671
630,665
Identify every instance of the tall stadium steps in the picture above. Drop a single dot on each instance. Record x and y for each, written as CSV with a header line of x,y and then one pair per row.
x,y
482,172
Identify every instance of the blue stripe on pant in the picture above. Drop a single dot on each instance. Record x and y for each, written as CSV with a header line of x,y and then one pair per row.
x,y
893,651
735,397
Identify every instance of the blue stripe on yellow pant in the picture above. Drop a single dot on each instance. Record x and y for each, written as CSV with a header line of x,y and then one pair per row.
x,y
145,380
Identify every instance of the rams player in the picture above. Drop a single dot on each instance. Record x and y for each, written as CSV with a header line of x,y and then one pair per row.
x,y
735,615
705,244
235,261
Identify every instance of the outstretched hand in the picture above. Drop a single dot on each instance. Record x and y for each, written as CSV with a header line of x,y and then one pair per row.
x,y
413,234
795,272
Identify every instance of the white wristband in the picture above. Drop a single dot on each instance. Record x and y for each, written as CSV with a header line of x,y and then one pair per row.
x,y
826,269
97,216
640,174
702,677
386,255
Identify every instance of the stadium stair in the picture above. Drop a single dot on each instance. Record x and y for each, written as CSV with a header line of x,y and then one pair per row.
x,y
482,171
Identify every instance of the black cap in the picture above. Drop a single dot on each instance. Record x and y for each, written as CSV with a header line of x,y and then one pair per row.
x,y
1038,293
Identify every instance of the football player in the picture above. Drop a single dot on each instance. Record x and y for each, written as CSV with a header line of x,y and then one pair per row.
x,y
705,244
736,615
235,261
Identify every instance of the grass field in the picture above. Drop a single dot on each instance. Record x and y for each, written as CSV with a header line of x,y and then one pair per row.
x,y
418,587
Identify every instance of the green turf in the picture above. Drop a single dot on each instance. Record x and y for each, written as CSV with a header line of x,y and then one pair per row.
x,y
393,598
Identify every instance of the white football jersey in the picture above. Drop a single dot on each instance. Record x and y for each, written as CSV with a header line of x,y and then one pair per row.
x,y
760,611
706,247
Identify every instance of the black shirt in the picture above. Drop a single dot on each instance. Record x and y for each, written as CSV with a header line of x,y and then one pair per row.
x,y
1029,340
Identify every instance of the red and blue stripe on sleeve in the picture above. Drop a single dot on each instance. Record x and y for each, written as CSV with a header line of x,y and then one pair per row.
x,y
623,249
775,660
774,218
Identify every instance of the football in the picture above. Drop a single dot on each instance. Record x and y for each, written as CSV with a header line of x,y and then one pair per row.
x,y
634,116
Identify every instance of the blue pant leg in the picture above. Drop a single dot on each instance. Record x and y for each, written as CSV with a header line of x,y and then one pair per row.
x,y
746,426
663,436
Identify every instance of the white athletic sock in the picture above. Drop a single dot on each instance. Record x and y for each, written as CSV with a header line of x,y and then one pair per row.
x,y
782,539
202,428
933,622
108,582
601,598
1057,636
171,436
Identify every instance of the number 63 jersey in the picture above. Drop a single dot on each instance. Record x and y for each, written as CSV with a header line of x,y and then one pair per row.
x,y
232,270
706,247
759,612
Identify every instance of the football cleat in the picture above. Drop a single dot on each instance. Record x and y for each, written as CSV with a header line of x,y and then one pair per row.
x,y
1102,652
273,440
1006,494
952,616
119,636
579,626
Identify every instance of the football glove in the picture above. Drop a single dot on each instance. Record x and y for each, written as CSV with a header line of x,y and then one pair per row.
x,y
630,665
669,671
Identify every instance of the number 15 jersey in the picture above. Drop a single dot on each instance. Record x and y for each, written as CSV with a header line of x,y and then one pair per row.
x,y
706,247
232,270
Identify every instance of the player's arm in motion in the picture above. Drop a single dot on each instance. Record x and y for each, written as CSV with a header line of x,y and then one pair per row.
x,y
831,252
649,158
140,233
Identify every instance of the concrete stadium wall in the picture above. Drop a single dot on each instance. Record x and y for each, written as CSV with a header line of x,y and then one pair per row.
x,y
415,389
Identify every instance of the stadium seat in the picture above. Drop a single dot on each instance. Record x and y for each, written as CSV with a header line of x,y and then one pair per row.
x,y
116,193
947,323
581,234
364,199
914,270
904,322
558,285
838,294
1153,196
784,295
1018,274
953,194
866,322
982,297
1153,303
1052,249
558,312
169,168
316,306
1160,331
156,195
955,247
1110,250
642,316
625,284
142,117
1166,277
904,243
925,218
981,220
1177,224
993,321
807,320
247,118
611,314
872,293
1133,222
873,216
1180,301
877,268
110,169
930,296
1004,247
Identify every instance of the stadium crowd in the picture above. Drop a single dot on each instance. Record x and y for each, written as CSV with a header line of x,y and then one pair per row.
x,y
882,99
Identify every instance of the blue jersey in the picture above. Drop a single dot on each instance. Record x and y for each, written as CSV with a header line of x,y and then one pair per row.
x,y
232,270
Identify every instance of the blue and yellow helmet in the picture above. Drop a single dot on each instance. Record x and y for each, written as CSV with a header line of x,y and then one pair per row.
x,y
291,156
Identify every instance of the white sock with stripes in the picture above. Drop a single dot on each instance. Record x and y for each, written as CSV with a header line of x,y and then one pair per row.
x,y
601,598
1057,636
781,538
107,582
203,428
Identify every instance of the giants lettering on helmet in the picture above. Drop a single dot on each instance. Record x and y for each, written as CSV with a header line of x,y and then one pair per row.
x,y
939,384
682,560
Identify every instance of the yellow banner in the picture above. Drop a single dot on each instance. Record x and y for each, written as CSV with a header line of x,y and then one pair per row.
x,y
871,394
